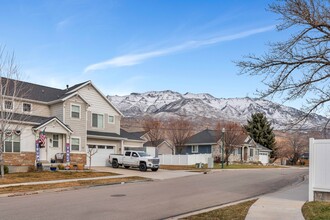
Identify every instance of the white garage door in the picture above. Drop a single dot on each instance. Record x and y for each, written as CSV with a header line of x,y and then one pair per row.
x,y
102,155
263,158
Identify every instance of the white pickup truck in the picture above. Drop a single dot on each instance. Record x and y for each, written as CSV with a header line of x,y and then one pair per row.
x,y
134,159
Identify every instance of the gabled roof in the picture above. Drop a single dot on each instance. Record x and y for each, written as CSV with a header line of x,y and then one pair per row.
x,y
50,120
262,148
203,137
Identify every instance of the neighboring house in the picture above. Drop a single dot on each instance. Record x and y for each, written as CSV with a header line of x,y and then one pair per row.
x,y
164,147
209,142
69,121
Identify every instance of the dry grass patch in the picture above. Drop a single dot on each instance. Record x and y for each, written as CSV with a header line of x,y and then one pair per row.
x,y
316,210
233,212
32,188
47,176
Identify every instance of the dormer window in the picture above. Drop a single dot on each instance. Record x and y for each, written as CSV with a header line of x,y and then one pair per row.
x,y
26,107
8,105
75,111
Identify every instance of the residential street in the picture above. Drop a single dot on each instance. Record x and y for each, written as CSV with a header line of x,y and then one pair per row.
x,y
150,200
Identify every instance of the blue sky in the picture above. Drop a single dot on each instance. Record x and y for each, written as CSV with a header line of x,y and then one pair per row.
x,y
138,46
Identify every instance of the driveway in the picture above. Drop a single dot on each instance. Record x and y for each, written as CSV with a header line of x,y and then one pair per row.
x,y
159,175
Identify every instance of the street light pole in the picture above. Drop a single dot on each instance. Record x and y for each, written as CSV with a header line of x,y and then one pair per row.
x,y
223,146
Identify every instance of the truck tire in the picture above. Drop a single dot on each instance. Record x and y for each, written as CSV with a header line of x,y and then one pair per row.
x,y
154,169
115,164
143,167
126,167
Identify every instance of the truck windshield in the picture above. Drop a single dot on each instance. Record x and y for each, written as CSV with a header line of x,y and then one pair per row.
x,y
143,154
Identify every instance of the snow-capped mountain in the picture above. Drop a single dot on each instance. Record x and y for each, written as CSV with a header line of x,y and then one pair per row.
x,y
168,104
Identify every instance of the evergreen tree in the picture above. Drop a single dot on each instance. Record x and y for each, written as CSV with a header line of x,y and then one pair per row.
x,y
260,129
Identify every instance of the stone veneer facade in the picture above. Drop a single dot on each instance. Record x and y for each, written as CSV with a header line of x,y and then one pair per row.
x,y
19,159
77,158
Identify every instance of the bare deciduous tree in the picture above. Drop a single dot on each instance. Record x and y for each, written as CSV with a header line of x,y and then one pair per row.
x,y
300,66
12,92
91,151
293,146
234,136
155,132
179,130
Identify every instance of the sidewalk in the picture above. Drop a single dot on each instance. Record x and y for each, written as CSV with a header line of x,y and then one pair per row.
x,y
284,204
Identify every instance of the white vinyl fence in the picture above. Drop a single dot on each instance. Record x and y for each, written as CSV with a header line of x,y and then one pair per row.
x,y
319,169
188,159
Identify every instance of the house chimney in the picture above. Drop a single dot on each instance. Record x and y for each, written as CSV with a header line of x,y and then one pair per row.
x,y
67,87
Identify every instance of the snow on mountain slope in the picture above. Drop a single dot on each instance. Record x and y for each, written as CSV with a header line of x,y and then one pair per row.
x,y
168,103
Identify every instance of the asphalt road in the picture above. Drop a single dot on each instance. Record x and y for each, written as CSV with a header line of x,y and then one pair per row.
x,y
149,200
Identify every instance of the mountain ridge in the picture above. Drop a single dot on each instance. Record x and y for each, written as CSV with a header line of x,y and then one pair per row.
x,y
168,103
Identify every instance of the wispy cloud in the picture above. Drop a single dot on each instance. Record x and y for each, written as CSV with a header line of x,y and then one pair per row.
x,y
133,59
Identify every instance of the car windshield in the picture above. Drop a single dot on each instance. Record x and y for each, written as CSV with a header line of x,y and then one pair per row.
x,y
143,154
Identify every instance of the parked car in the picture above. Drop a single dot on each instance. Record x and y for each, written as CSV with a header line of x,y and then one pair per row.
x,y
137,159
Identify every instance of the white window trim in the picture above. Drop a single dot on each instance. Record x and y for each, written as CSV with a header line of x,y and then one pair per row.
x,y
28,104
114,119
12,145
74,137
71,111
194,150
103,120
12,105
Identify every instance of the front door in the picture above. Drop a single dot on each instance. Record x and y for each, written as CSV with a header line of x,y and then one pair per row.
x,y
245,153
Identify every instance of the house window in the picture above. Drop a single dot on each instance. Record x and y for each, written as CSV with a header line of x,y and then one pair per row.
x,y
111,119
194,149
75,144
55,140
12,143
97,120
9,105
26,107
239,150
251,152
75,111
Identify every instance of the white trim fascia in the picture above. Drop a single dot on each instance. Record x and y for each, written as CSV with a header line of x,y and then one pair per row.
x,y
114,107
58,121
105,138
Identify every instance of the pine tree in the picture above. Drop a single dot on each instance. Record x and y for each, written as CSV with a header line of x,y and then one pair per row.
x,y
260,129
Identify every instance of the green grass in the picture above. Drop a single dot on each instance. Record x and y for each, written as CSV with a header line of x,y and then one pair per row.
x,y
316,210
233,212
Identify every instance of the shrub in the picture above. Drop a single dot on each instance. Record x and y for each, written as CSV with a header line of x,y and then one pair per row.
x,y
31,168
5,169
60,167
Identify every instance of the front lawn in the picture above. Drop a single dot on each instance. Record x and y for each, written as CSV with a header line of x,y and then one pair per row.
x,y
80,183
47,176
316,210
233,212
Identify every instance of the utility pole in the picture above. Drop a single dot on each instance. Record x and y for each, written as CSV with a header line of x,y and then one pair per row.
x,y
223,147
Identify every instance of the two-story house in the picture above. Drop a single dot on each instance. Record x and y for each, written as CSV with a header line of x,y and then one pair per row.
x,y
47,122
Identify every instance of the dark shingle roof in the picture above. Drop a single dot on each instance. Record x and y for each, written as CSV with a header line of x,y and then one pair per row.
x,y
205,136
130,135
36,92
123,134
263,148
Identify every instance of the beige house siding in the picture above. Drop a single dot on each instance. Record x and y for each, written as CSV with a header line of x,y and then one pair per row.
x,y
77,125
133,144
163,148
36,108
57,110
99,105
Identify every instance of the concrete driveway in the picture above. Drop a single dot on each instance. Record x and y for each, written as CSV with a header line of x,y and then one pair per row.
x,y
159,175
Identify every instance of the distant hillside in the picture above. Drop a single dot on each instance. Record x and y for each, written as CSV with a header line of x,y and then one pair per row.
x,y
165,104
